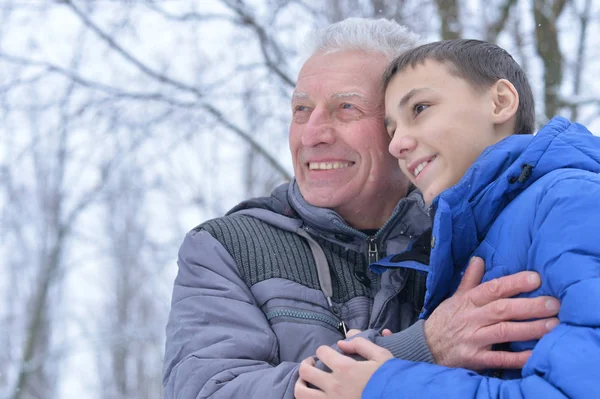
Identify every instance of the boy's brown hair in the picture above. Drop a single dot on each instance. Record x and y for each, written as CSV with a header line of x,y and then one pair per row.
x,y
481,64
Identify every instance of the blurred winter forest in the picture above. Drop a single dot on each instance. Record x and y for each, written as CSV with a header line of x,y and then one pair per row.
x,y
125,123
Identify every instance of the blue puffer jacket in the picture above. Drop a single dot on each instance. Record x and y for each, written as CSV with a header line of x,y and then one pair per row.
x,y
528,203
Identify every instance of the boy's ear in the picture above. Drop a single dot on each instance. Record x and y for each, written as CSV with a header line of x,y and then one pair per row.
x,y
506,101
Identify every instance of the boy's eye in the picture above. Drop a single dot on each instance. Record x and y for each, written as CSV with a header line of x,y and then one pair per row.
x,y
418,108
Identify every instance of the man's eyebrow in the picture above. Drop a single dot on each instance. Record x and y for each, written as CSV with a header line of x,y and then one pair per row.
x,y
298,95
349,94
406,98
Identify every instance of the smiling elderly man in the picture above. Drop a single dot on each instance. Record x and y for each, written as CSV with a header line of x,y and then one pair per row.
x,y
261,288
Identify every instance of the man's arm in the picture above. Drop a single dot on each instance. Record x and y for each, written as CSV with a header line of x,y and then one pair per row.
x,y
462,330
219,342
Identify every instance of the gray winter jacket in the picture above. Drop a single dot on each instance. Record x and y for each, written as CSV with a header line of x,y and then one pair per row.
x,y
261,288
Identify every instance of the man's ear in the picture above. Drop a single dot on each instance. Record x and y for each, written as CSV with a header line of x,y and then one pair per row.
x,y
506,101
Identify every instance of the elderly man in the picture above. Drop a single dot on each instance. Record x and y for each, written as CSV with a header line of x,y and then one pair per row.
x,y
261,288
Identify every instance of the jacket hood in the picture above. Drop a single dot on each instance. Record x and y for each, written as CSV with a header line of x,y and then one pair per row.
x,y
277,202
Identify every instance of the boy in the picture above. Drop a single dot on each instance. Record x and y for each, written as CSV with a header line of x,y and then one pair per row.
x,y
460,114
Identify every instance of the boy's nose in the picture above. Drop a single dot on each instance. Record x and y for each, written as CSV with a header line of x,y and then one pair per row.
x,y
402,145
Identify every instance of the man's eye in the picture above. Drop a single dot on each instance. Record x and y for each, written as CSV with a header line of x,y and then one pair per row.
x,y
418,108
347,106
300,108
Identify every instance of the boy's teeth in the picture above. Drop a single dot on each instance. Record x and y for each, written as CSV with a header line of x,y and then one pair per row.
x,y
327,165
421,166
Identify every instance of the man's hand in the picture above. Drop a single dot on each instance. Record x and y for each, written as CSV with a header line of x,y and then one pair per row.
x,y
348,377
461,330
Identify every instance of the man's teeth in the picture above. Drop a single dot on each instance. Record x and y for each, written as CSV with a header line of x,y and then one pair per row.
x,y
328,165
421,166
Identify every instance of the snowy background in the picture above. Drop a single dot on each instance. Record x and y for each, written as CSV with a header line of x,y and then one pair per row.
x,y
125,123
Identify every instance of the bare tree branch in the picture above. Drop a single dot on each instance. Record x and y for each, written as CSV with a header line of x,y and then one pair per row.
x,y
266,42
158,96
450,19
190,16
498,26
576,102
584,19
546,14
128,56
164,79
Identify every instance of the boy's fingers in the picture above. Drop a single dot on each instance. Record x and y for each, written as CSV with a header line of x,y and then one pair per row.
x,y
302,391
365,348
352,333
331,358
310,361
309,373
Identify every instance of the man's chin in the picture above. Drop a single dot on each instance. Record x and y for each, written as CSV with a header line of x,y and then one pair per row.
x,y
325,197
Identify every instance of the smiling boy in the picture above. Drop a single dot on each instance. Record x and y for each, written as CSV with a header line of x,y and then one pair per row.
x,y
460,114
469,114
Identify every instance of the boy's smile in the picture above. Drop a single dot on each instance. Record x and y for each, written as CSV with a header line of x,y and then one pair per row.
x,y
439,125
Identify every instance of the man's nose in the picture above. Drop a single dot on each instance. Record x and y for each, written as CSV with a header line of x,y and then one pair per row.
x,y
402,145
319,128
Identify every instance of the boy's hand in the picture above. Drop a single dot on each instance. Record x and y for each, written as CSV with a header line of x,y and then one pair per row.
x,y
348,377
351,333
461,330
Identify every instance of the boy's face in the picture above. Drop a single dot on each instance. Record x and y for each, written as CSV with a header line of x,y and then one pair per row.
x,y
439,125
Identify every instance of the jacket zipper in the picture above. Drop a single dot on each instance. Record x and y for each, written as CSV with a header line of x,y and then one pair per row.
x,y
373,251
352,230
304,315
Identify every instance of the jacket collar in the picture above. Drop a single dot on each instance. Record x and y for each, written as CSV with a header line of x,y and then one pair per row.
x,y
410,216
508,168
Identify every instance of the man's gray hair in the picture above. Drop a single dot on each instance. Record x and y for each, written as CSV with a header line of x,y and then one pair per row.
x,y
382,36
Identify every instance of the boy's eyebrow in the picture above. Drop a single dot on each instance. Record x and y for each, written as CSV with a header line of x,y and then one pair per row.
x,y
406,98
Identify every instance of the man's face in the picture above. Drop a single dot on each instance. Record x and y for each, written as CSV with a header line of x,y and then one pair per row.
x,y
338,140
440,124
